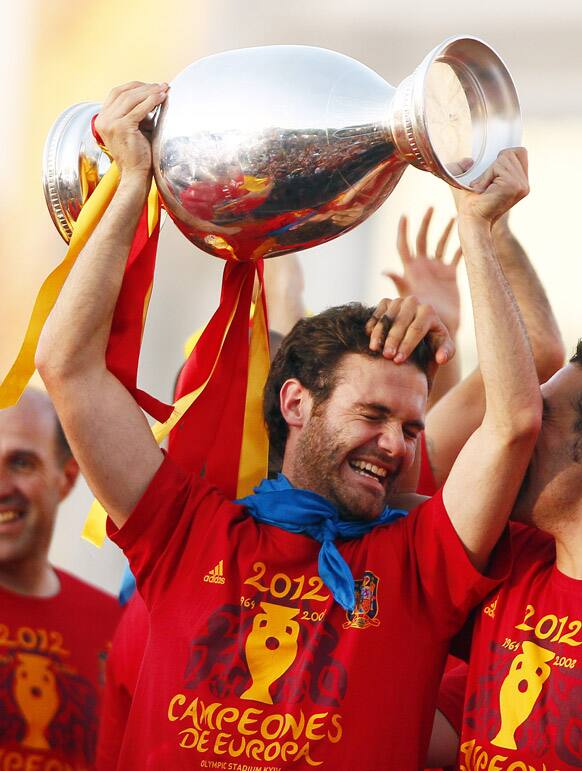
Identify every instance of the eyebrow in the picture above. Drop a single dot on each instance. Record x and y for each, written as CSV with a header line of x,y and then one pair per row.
x,y
384,410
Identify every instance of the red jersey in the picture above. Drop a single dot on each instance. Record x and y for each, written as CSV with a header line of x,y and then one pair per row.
x,y
523,707
427,484
123,665
250,664
52,669
451,698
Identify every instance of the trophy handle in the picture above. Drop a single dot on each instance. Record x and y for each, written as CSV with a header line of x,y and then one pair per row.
x,y
455,113
72,166
73,163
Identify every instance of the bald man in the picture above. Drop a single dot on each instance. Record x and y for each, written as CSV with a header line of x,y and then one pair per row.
x,y
54,629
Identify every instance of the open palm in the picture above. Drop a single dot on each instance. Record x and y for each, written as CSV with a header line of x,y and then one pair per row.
x,y
428,276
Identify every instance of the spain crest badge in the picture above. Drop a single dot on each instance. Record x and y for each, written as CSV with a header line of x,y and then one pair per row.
x,y
365,613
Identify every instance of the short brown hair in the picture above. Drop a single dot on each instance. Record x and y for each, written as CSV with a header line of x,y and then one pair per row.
x,y
312,351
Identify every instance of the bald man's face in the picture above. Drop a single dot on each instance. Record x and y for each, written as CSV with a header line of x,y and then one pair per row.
x,y
33,478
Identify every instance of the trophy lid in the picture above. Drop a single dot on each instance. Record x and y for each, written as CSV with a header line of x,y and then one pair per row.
x,y
457,111
72,165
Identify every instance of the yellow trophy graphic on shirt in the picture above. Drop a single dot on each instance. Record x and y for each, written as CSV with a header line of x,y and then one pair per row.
x,y
270,649
35,692
520,690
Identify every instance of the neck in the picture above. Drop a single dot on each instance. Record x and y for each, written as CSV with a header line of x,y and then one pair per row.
x,y
569,549
33,577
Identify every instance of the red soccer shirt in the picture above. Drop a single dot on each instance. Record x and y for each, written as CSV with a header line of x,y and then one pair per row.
x,y
52,669
250,664
523,707
427,484
123,665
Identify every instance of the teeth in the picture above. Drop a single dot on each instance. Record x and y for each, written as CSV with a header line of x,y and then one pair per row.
x,y
376,470
8,516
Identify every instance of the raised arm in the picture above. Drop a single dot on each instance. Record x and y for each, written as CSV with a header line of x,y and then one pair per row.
x,y
450,422
485,478
107,431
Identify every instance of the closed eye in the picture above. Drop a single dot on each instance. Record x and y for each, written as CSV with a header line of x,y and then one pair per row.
x,y
369,416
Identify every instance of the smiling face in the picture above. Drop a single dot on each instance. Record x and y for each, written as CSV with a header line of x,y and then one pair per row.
x,y
352,448
34,478
551,493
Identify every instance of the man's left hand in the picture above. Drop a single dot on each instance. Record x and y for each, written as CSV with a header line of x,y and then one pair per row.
x,y
411,322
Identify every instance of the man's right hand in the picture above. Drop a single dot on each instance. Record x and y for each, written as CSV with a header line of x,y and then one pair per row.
x,y
503,184
118,124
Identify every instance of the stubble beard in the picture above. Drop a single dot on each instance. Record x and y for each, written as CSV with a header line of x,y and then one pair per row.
x,y
316,468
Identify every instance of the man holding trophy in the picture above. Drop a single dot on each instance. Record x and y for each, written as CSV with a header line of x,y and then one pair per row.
x,y
309,623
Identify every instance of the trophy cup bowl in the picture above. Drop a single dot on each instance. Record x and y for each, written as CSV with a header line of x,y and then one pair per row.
x,y
273,149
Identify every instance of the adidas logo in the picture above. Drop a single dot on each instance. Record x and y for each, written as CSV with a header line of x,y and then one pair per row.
x,y
216,575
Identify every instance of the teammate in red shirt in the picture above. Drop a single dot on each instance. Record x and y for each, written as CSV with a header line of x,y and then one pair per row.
x,y
524,684
280,644
55,630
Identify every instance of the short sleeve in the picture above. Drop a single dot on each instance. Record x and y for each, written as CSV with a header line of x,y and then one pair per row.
x,y
158,535
451,585
427,484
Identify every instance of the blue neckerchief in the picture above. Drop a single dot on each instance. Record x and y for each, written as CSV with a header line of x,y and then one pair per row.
x,y
277,502
127,587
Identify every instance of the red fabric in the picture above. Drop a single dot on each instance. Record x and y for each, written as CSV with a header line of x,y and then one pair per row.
x,y
224,592
209,436
52,670
96,134
523,704
125,339
123,665
452,695
209,200
427,484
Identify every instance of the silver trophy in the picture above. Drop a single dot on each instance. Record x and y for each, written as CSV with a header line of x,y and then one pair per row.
x,y
262,151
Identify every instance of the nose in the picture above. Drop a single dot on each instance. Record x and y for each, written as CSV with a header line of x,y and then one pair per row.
x,y
391,441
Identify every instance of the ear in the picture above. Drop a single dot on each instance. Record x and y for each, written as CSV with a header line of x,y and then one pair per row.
x,y
295,402
70,474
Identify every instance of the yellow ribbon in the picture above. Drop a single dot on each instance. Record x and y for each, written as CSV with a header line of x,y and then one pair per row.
x,y
23,368
90,215
254,453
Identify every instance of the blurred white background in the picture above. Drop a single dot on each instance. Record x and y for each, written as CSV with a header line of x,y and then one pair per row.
x,y
57,53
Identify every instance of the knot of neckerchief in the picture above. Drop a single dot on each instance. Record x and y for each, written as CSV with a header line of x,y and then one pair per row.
x,y
277,502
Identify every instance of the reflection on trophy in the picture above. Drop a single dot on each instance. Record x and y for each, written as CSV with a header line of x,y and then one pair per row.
x,y
520,690
268,150
270,649
35,692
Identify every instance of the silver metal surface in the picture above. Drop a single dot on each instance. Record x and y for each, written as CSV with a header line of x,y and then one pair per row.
x,y
73,164
262,151
457,111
